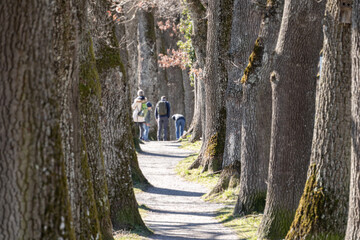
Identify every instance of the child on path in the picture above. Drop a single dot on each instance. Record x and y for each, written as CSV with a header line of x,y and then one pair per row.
x,y
147,122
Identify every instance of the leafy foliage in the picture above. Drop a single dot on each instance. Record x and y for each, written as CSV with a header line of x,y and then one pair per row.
x,y
184,56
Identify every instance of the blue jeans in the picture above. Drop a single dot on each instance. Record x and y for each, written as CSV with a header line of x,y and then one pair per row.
x,y
179,127
146,132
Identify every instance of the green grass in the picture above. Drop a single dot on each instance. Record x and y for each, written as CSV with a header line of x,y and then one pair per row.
x,y
195,175
245,226
191,146
228,197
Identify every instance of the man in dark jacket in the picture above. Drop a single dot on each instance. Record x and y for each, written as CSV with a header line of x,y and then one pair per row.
x,y
179,125
162,114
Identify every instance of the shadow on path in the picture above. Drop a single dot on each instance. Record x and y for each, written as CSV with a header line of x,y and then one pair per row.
x,y
163,228
175,210
173,192
160,155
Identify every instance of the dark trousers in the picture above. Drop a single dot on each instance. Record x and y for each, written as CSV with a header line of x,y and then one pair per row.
x,y
163,125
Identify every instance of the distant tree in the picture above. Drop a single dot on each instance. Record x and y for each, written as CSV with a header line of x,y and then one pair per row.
x,y
34,195
293,96
215,81
256,117
244,30
353,224
197,12
323,208
147,54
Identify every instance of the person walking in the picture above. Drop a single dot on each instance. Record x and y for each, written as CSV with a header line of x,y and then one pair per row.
x,y
139,112
179,125
147,122
162,114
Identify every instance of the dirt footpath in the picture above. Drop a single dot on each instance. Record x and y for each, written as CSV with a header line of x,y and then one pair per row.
x,y
176,210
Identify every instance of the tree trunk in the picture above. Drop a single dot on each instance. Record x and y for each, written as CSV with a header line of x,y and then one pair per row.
x,y
147,60
256,125
90,102
127,35
115,129
81,190
353,224
293,85
131,26
323,209
188,98
35,202
244,30
198,15
215,80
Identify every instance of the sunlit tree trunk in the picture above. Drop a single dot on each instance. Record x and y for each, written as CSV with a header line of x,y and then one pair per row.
x,y
147,56
323,208
215,81
198,15
293,97
189,95
256,124
244,30
353,224
34,195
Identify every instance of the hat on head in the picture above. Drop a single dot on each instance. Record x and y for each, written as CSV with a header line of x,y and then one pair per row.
x,y
148,104
163,98
140,93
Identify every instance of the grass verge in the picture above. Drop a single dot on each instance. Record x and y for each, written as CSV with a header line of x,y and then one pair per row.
x,y
195,175
244,226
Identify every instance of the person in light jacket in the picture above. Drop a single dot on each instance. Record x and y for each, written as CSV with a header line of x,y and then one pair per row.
x,y
136,106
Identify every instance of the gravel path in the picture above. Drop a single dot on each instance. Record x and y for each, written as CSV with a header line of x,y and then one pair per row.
x,y
176,210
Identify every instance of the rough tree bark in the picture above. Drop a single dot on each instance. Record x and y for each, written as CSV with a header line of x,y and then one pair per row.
x,y
353,224
215,80
256,124
198,15
188,98
323,209
293,94
115,128
147,60
33,188
244,30
131,56
81,190
90,103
